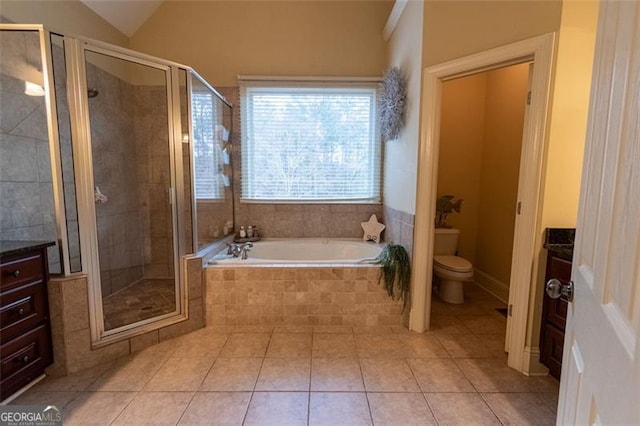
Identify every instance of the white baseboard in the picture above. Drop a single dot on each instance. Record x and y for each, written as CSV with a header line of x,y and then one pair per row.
x,y
491,284
531,365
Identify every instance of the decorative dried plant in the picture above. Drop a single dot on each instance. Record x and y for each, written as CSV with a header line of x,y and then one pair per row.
x,y
392,104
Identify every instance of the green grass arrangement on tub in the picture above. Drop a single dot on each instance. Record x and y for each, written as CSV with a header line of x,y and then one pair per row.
x,y
396,271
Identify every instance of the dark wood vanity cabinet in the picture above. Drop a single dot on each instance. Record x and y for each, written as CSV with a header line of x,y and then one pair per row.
x,y
25,332
554,317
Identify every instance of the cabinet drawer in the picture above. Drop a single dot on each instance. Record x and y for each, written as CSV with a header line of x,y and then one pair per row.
x,y
22,269
23,359
21,309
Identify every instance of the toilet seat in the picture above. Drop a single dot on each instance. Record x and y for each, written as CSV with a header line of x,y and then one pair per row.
x,y
453,263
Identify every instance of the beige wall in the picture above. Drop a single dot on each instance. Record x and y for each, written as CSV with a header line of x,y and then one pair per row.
x,y
567,130
453,29
222,39
569,109
503,125
459,165
72,17
480,143
404,50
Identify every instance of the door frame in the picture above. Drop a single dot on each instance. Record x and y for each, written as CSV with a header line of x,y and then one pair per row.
x,y
538,50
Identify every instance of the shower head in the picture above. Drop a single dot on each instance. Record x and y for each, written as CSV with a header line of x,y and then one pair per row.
x,y
92,93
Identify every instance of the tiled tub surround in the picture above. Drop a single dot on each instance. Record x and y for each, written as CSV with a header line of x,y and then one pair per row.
x,y
399,228
298,295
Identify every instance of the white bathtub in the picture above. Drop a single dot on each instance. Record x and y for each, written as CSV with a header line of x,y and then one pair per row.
x,y
304,250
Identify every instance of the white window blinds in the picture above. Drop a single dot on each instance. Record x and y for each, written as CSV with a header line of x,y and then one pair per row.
x,y
206,147
304,143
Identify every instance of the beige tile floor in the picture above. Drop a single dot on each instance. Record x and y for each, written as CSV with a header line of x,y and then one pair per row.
x,y
455,374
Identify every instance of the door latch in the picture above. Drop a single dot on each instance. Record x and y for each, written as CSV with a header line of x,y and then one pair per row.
x,y
555,289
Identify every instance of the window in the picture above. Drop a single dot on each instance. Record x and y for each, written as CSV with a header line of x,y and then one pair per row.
x,y
310,144
206,146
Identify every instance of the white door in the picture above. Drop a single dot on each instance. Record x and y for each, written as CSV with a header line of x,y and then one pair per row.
x,y
601,367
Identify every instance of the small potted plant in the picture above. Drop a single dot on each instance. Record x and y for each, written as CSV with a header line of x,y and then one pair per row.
x,y
445,205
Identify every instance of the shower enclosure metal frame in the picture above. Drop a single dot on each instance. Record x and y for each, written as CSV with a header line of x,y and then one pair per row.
x,y
194,209
52,133
75,48
75,54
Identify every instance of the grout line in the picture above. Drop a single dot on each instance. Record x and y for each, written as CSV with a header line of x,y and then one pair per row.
x,y
246,412
124,408
310,378
490,408
155,372
366,396
537,394
433,414
406,360
255,383
186,407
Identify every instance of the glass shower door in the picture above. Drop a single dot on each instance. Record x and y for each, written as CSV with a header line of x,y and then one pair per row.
x,y
133,181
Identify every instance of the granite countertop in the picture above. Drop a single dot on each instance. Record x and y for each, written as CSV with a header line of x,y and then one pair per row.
x,y
9,247
559,242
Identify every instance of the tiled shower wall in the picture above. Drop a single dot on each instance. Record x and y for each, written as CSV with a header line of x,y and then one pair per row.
x,y
131,167
113,149
292,220
26,191
154,179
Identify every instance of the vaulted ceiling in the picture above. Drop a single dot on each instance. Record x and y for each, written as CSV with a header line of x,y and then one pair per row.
x,y
126,16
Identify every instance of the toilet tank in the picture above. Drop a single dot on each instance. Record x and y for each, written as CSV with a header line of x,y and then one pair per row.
x,y
445,241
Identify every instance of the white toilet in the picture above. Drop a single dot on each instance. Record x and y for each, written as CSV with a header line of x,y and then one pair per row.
x,y
451,270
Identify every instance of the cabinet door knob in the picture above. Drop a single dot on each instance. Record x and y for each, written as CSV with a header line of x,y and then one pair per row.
x,y
24,359
16,273
21,312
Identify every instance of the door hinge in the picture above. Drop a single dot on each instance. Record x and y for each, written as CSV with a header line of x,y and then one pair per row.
x,y
529,97
510,310
519,207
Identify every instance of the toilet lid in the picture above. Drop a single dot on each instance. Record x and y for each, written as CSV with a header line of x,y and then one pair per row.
x,y
453,263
